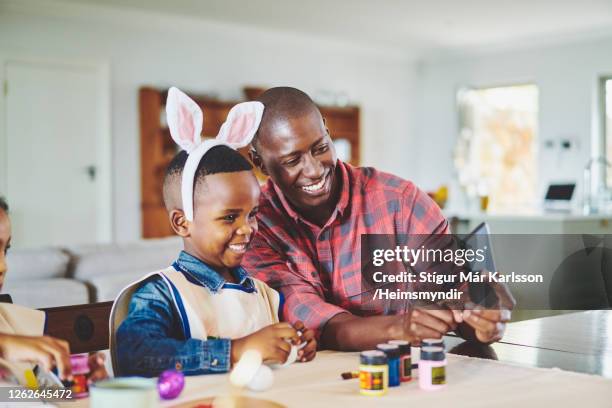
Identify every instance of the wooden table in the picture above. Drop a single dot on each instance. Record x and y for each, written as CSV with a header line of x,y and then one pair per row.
x,y
474,383
581,332
577,343
580,342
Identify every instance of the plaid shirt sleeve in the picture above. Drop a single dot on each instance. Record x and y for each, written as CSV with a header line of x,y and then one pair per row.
x,y
304,297
420,214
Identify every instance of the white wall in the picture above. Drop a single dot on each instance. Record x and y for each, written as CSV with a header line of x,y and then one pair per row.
x,y
155,50
567,79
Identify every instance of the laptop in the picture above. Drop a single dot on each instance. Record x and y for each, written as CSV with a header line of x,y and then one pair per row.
x,y
559,197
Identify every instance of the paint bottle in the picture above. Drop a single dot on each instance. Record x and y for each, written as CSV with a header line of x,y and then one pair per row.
x,y
80,370
432,368
416,356
405,359
416,351
432,343
373,373
393,360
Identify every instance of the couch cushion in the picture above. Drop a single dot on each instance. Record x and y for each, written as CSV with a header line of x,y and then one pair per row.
x,y
37,293
28,264
108,287
132,259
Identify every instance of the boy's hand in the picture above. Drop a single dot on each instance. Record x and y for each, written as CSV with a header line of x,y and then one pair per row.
x,y
46,351
269,341
309,351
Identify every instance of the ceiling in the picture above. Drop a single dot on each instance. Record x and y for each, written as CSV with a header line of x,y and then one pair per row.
x,y
403,24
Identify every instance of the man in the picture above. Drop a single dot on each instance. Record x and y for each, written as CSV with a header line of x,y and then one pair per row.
x,y
313,211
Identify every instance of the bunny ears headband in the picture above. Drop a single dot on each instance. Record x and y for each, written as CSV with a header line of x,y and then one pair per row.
x,y
185,120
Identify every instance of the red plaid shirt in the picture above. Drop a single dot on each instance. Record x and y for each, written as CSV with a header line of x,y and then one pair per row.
x,y
318,270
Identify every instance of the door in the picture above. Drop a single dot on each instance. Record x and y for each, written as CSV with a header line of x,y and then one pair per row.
x,y
57,175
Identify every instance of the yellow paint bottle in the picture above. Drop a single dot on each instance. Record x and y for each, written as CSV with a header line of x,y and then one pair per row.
x,y
373,373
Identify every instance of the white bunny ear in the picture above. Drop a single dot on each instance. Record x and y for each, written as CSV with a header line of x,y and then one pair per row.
x,y
185,120
241,124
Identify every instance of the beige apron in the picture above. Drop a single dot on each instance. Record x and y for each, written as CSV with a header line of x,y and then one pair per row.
x,y
230,313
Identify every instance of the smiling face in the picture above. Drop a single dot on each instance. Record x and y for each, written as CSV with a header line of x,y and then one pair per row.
x,y
299,156
5,244
224,220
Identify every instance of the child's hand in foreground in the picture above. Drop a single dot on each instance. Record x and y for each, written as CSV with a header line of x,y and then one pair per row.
x,y
269,341
309,351
46,351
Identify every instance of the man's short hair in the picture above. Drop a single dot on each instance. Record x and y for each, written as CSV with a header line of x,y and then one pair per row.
x,y
219,159
281,104
4,205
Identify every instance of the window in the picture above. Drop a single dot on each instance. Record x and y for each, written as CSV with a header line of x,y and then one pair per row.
x,y
495,155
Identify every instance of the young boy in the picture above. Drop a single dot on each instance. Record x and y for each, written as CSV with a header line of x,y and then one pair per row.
x,y
203,312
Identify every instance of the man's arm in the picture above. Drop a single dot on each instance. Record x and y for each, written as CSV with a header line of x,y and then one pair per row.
x,y
335,327
347,332
421,215
303,299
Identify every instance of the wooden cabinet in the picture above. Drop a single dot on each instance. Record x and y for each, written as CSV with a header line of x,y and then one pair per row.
x,y
157,147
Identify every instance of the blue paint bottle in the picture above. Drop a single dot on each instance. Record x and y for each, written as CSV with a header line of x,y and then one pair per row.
x,y
393,357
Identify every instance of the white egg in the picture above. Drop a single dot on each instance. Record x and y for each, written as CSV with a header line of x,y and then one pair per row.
x,y
246,368
263,379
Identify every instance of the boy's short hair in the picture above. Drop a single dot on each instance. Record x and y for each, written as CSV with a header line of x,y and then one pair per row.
x,y
219,159
4,205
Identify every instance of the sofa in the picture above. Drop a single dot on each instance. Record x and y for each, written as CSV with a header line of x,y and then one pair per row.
x,y
50,277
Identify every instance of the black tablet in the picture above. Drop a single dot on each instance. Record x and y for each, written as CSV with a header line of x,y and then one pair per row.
x,y
480,238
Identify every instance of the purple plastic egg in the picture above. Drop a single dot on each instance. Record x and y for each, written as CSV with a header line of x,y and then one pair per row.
x,y
170,384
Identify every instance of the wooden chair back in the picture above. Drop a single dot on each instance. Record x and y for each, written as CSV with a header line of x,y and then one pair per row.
x,y
85,327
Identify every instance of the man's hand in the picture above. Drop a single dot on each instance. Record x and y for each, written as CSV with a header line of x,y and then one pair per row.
x,y
46,351
347,332
310,349
489,324
426,322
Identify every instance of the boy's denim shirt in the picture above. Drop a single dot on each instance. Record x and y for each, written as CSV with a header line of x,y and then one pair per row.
x,y
151,339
